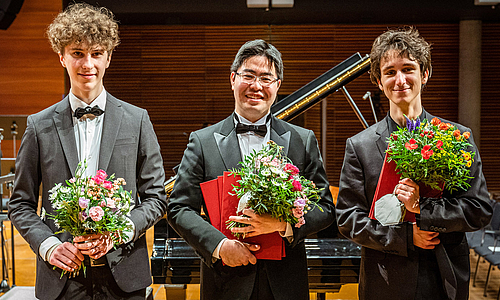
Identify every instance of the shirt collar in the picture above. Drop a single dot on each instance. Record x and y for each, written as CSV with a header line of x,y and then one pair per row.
x,y
262,121
393,126
76,103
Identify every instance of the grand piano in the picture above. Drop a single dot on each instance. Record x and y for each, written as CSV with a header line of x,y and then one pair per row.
x,y
332,261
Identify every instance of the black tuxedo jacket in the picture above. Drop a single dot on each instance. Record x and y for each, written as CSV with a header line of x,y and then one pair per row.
x,y
389,263
210,152
48,155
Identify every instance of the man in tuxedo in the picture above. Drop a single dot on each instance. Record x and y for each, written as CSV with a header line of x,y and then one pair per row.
x,y
428,259
93,126
229,269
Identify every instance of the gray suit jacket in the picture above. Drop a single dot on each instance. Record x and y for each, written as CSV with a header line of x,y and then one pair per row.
x,y
389,264
210,152
48,156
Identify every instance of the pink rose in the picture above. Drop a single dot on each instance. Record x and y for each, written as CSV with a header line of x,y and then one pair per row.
x,y
96,213
102,174
107,185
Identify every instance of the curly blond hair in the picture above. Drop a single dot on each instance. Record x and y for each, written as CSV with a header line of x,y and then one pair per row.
x,y
82,23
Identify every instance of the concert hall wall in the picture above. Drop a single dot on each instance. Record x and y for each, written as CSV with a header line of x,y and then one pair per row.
x,y
181,75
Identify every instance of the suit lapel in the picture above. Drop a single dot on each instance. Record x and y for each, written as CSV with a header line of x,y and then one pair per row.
x,y
227,143
280,135
112,120
383,133
63,122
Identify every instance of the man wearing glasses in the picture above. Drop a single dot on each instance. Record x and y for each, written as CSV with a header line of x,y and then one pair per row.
x,y
229,269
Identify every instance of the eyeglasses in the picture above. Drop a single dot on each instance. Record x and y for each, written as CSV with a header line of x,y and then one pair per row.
x,y
249,78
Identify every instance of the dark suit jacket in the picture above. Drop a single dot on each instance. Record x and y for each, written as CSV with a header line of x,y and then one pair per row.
x,y
389,263
48,155
210,152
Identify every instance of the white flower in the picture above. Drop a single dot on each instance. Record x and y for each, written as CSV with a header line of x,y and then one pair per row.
x,y
266,172
42,213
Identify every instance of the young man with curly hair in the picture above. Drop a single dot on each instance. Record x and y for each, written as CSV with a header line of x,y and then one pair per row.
x,y
93,126
427,259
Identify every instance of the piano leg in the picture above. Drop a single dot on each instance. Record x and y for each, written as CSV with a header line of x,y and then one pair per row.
x,y
321,296
175,291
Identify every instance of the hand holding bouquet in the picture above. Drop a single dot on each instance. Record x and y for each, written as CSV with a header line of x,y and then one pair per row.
x,y
433,154
271,184
97,204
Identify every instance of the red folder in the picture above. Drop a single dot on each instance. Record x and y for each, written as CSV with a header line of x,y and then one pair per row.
x,y
221,204
388,180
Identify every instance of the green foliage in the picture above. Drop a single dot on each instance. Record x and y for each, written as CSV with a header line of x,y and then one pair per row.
x,y
433,153
273,185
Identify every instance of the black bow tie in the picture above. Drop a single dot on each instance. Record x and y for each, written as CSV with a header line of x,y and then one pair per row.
x,y
257,129
96,111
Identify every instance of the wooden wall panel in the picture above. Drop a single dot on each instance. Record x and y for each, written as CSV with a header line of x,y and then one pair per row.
x,y
181,75
490,105
32,77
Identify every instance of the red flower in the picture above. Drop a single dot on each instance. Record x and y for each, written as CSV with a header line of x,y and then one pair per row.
x,y
439,144
411,144
394,137
291,169
427,152
466,135
296,186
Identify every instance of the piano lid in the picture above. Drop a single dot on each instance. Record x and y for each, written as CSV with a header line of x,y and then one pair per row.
x,y
329,82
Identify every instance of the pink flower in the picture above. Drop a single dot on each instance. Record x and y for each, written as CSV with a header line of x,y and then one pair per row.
x,y
291,169
110,203
97,179
275,162
107,185
301,222
83,202
297,212
102,174
96,213
296,186
300,202
72,180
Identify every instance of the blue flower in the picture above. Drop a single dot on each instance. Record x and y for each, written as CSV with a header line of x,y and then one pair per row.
x,y
412,125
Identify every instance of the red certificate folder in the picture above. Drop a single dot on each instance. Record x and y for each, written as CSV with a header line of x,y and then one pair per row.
x,y
388,180
221,204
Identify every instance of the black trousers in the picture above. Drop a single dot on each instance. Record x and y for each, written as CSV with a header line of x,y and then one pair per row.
x,y
96,285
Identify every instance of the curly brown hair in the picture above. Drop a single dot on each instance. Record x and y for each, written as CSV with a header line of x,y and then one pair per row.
x,y
82,23
407,42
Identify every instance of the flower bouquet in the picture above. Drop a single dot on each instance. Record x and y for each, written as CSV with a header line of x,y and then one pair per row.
x,y
271,184
433,153
97,204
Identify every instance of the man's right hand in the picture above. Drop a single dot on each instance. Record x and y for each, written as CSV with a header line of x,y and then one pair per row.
x,y
235,253
425,239
67,257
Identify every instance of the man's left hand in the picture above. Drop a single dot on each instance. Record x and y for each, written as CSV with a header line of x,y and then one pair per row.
x,y
258,224
94,245
408,193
